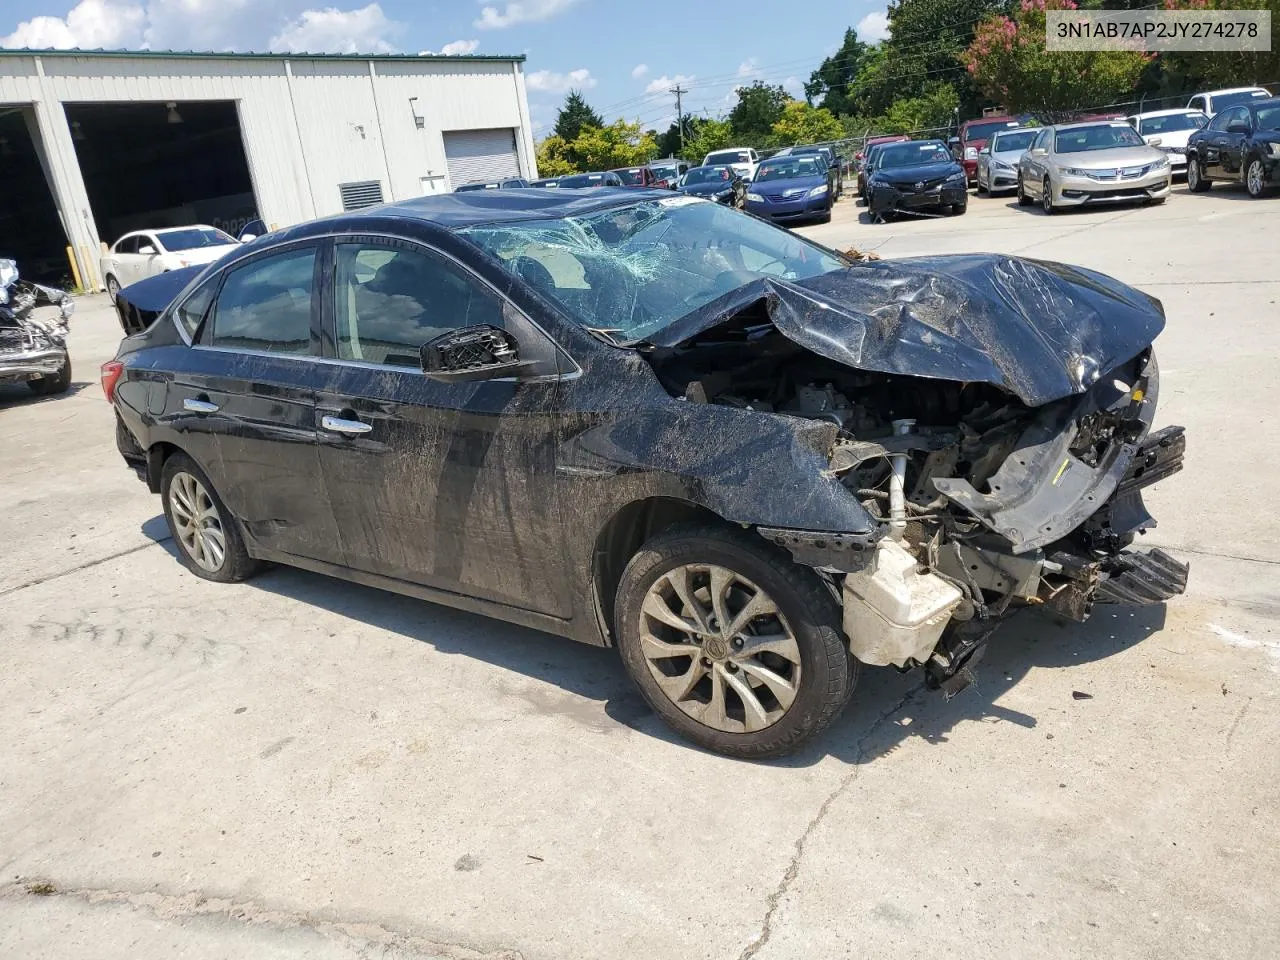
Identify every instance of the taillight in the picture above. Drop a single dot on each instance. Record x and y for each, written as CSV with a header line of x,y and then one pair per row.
x,y
111,371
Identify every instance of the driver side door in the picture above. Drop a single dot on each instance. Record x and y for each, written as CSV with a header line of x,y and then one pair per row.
x,y
450,485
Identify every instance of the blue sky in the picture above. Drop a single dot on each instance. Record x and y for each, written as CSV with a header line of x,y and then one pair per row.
x,y
623,56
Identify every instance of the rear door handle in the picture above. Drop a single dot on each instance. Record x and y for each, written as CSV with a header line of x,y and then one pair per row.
x,y
198,405
339,425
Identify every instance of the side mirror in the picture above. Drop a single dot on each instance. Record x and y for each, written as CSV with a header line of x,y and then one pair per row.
x,y
1154,142
1238,127
481,352
147,250
1038,151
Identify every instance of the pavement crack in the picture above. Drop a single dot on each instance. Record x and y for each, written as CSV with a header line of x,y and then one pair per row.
x,y
793,865
81,566
365,936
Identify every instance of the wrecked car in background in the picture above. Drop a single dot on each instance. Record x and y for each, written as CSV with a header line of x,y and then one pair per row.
x,y
33,347
650,421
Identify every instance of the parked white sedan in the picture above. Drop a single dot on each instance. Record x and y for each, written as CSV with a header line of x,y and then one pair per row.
x,y
1169,130
145,253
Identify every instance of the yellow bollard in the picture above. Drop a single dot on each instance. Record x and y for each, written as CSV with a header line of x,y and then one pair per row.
x,y
75,270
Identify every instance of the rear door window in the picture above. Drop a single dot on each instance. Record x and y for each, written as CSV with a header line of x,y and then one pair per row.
x,y
267,304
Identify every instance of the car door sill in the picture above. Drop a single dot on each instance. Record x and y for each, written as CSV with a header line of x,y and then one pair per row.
x,y
460,601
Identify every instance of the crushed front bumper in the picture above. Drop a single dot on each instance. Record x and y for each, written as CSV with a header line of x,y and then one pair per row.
x,y
28,364
886,198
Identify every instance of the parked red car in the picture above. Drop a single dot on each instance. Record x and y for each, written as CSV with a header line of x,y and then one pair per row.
x,y
976,134
636,176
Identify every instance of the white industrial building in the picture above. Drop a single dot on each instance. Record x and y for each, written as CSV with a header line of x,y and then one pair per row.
x,y
94,144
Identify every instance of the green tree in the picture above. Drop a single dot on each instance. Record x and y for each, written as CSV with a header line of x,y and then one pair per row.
x,y
758,108
933,109
829,84
669,140
709,136
926,38
1187,70
620,144
1008,62
575,114
802,123
554,158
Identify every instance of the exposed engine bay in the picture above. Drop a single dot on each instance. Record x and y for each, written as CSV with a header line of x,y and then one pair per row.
x,y
33,349
982,503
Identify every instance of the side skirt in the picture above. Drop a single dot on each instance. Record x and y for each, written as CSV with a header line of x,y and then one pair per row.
x,y
459,601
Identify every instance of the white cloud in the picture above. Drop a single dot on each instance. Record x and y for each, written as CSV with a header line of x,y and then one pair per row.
x,y
491,18
749,68
210,25
639,70
337,31
664,83
874,27
794,87
459,47
548,81
90,24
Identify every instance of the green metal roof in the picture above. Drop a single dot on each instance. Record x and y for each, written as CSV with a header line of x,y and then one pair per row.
x,y
254,55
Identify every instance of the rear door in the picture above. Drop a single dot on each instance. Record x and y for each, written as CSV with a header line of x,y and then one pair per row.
x,y
450,485
148,264
127,261
251,386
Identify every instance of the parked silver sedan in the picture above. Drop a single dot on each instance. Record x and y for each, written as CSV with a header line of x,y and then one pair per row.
x,y
1073,164
998,160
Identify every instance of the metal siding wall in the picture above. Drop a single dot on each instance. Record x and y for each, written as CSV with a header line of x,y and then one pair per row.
x,y
451,96
301,139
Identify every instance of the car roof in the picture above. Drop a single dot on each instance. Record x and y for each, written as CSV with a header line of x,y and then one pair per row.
x,y
1214,93
454,211
1100,122
1165,113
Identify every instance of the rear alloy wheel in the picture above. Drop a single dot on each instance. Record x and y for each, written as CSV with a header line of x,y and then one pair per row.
x,y
1046,197
1254,181
1196,181
113,288
733,644
208,539
1023,199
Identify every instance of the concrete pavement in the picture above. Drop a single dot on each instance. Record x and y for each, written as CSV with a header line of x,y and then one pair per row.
x,y
297,767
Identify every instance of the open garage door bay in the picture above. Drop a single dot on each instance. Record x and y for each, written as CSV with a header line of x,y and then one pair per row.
x,y
162,164
31,231
481,155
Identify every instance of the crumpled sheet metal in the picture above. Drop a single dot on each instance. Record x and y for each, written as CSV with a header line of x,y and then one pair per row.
x,y
1041,330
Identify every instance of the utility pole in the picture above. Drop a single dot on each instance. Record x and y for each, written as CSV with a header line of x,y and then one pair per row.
x,y
679,91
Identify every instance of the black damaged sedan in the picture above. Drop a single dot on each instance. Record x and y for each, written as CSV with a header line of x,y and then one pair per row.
x,y
649,421
914,177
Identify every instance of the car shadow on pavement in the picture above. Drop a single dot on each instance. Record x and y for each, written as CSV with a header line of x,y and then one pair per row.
x,y
20,395
888,708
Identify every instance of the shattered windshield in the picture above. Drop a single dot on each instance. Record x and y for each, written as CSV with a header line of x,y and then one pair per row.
x,y
631,271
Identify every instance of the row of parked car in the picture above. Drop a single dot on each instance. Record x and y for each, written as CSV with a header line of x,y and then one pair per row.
x,y
796,183
1107,158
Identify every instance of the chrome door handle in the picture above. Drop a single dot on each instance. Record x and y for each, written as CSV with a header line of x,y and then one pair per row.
x,y
199,406
339,425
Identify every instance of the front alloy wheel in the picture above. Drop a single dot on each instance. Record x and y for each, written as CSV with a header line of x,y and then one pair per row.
x,y
1046,197
1196,182
719,648
1254,181
731,642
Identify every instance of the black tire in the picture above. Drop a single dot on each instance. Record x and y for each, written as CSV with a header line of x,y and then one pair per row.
x,y
1197,182
1046,198
236,563
1023,199
828,673
958,209
113,287
53,383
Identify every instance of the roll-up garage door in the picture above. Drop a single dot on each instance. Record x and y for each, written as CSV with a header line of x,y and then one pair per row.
x,y
481,155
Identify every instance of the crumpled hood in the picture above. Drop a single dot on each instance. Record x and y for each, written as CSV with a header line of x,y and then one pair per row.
x,y
1041,330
